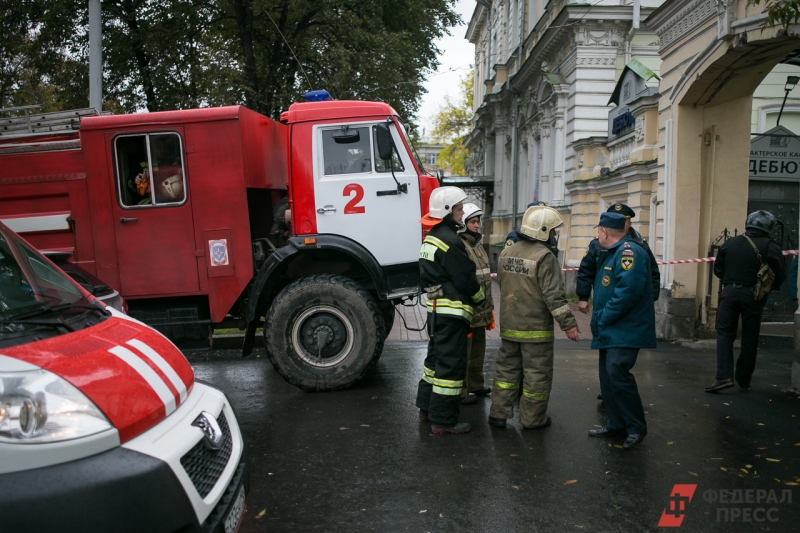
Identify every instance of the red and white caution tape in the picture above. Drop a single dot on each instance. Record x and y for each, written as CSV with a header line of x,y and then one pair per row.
x,y
682,261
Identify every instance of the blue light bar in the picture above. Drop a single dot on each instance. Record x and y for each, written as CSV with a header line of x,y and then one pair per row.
x,y
317,96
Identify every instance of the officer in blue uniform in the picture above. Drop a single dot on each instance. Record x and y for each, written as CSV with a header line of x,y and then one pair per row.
x,y
588,267
623,322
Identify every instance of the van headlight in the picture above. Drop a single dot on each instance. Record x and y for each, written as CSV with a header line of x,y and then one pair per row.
x,y
39,407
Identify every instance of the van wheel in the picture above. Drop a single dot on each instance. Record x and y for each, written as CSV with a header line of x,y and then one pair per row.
x,y
323,332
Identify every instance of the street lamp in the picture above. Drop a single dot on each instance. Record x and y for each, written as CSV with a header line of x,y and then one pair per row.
x,y
791,81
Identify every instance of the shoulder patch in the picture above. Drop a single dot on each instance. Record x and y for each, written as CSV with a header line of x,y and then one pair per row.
x,y
607,268
628,252
509,242
626,245
626,261
606,281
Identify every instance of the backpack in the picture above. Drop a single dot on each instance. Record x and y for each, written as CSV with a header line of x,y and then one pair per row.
x,y
765,276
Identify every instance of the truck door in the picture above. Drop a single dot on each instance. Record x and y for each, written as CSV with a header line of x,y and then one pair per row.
x,y
356,196
152,216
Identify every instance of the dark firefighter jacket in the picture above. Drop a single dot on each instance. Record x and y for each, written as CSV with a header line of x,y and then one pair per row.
x,y
447,273
482,312
531,293
588,268
624,315
738,263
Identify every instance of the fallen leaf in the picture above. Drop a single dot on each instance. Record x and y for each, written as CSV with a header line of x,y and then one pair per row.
x,y
728,416
262,513
693,473
759,424
705,405
374,397
652,404
723,403
423,511
762,448
791,483
743,470
571,482
618,446
748,466
602,426
776,479
771,460
671,442
514,487
513,455
441,515
364,425
723,469
797,445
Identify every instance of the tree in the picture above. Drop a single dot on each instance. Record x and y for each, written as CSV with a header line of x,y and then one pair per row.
x,y
783,12
172,54
451,125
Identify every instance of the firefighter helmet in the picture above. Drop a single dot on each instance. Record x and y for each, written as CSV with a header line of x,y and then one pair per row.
x,y
171,189
538,221
471,211
443,199
763,220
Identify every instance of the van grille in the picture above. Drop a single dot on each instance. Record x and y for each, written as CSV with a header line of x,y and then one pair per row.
x,y
203,465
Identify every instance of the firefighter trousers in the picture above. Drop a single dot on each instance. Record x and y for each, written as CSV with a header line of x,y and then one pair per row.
x,y
476,353
439,391
524,373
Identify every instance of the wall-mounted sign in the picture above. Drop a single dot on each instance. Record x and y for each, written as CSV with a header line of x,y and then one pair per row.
x,y
775,155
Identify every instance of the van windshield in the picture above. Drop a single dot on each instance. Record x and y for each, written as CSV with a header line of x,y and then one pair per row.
x,y
29,284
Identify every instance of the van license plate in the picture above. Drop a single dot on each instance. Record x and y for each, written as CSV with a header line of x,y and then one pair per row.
x,y
232,521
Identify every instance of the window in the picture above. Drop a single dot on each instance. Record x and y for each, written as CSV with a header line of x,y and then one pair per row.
x,y
432,159
380,164
150,170
346,150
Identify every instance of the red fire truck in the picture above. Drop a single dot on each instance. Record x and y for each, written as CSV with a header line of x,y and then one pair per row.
x,y
207,218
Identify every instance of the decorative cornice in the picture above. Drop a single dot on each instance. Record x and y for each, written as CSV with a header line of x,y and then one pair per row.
x,y
671,26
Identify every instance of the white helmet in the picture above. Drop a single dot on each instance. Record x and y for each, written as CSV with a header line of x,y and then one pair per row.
x,y
471,211
538,221
443,199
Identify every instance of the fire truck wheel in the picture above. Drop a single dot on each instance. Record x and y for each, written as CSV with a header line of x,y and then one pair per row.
x,y
387,312
323,332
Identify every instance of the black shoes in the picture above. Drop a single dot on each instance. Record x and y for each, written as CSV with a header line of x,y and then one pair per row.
x,y
605,432
600,397
483,392
497,422
469,399
720,384
423,416
632,440
741,387
455,429
547,422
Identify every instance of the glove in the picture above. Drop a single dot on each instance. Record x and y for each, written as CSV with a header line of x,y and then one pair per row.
x,y
491,326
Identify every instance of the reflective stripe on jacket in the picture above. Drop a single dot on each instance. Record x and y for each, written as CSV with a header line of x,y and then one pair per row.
x,y
482,312
448,274
531,293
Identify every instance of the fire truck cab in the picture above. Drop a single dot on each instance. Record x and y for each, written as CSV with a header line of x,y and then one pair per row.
x,y
206,218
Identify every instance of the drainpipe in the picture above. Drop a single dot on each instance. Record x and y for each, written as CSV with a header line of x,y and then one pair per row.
x,y
704,305
633,30
514,124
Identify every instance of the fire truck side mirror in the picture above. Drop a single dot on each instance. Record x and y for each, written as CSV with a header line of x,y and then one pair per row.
x,y
384,139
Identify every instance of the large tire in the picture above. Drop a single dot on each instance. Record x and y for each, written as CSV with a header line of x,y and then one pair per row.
x,y
388,311
323,332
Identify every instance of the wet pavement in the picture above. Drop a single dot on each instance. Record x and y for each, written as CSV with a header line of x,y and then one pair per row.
x,y
358,460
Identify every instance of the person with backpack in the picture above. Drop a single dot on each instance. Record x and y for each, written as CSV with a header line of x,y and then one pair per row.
x,y
750,266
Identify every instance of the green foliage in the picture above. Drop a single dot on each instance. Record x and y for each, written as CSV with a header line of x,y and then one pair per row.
x,y
779,12
451,125
173,54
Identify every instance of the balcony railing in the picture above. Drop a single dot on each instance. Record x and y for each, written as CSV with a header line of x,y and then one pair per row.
x,y
620,150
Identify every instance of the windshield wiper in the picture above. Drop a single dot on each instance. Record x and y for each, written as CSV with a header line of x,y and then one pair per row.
x,y
56,323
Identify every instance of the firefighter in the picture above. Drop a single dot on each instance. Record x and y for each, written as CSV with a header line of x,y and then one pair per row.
x,y
448,276
623,322
531,297
588,267
737,265
482,313
513,237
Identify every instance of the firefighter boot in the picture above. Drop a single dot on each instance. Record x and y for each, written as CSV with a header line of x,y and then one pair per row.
x,y
456,429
